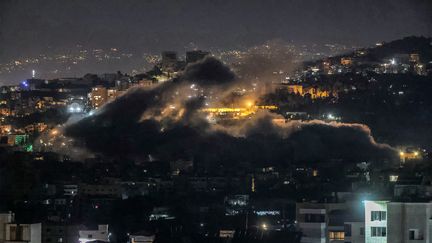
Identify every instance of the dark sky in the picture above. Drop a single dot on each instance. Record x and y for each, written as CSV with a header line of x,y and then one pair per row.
x,y
30,26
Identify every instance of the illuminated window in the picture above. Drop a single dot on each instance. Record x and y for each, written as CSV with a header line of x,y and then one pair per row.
x,y
378,231
378,215
393,178
336,235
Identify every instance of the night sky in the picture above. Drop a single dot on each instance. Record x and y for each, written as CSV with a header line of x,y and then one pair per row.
x,y
31,26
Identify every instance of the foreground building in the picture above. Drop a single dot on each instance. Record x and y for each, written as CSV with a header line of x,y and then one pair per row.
x,y
330,222
23,233
398,222
100,234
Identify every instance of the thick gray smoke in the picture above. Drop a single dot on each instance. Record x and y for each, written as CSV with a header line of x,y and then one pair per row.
x,y
166,122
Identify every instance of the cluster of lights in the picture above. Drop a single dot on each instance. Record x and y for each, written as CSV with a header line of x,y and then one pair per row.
x,y
401,153
25,83
77,109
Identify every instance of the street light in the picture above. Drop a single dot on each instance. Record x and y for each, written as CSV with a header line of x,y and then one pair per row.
x,y
264,227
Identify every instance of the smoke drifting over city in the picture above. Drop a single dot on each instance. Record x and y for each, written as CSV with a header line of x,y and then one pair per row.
x,y
245,121
166,123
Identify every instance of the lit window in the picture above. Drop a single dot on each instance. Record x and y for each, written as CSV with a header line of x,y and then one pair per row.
x,y
393,178
336,235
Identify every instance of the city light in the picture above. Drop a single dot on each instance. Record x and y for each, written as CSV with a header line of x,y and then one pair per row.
x,y
249,103
75,107
25,83
270,134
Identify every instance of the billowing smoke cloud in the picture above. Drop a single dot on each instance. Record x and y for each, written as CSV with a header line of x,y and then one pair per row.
x,y
313,140
209,72
143,121
166,122
54,140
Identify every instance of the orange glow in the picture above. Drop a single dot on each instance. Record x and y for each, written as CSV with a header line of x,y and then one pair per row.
x,y
237,112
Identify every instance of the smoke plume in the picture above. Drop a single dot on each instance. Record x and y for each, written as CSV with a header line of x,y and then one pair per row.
x,y
166,122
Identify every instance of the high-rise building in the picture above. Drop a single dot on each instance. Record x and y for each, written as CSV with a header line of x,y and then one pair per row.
x,y
169,59
98,96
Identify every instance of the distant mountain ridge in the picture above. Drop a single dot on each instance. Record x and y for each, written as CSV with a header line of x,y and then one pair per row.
x,y
408,45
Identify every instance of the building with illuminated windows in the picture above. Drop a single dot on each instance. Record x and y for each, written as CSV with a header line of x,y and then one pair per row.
x,y
313,91
98,96
313,220
341,222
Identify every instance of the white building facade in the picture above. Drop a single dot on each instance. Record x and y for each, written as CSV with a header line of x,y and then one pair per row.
x,y
375,221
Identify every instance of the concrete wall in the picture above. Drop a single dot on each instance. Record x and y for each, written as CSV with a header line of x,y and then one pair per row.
x,y
5,218
356,237
403,217
36,233
100,234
